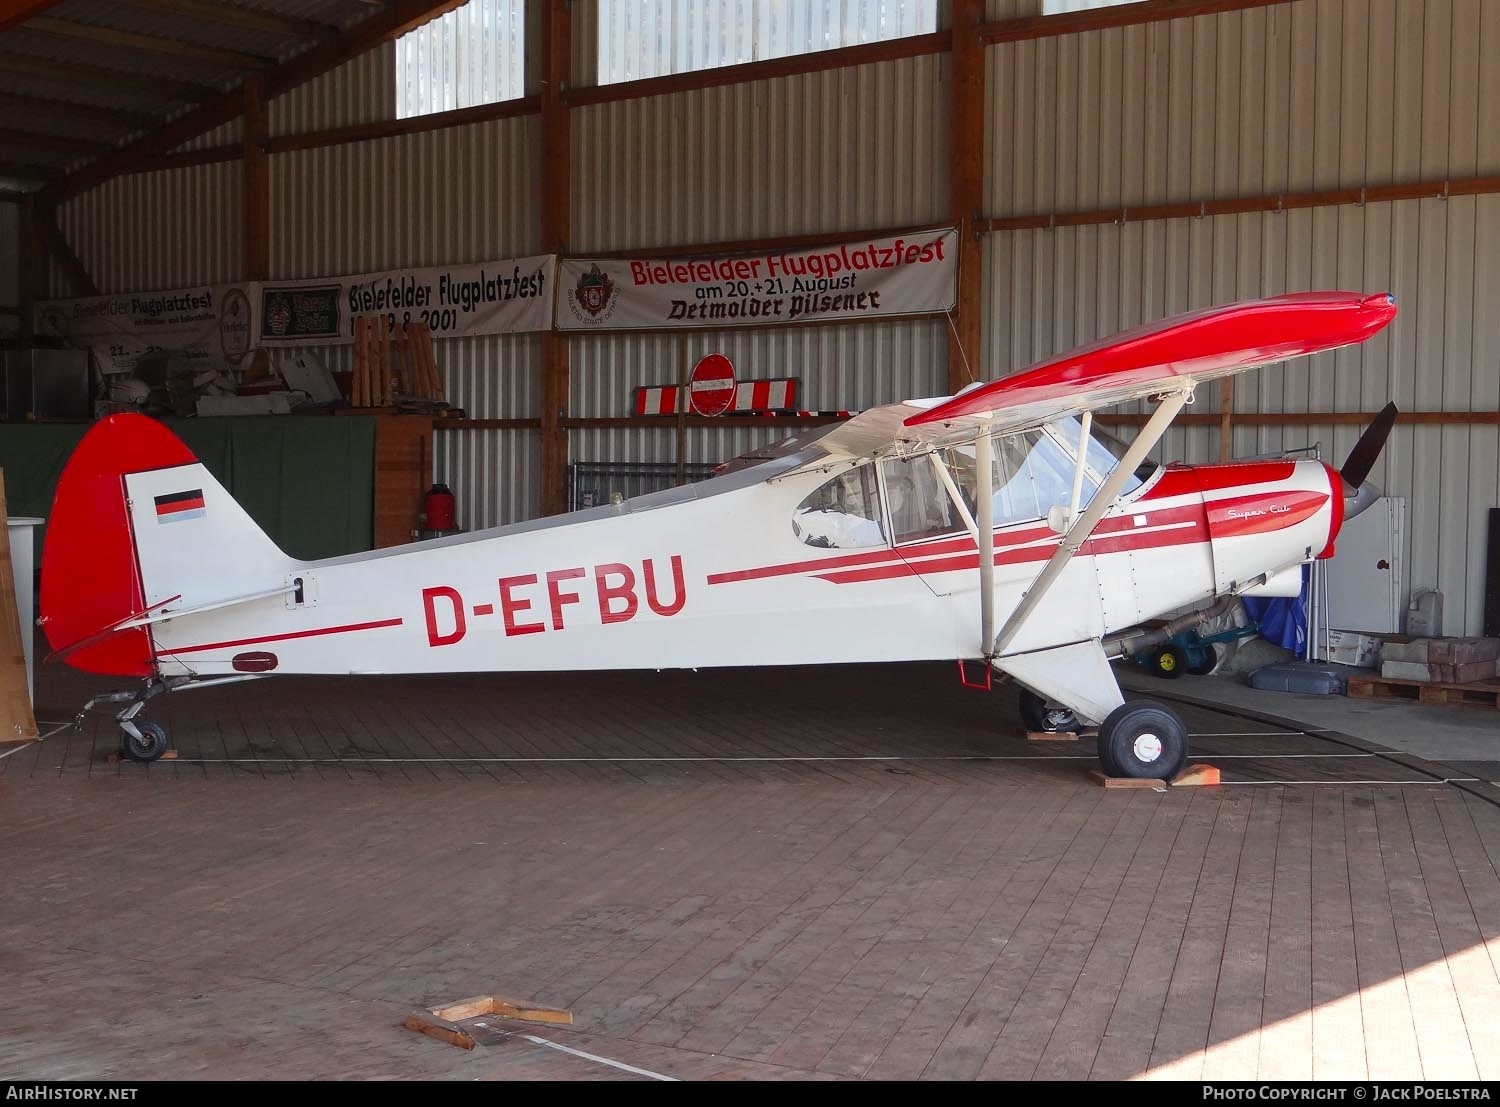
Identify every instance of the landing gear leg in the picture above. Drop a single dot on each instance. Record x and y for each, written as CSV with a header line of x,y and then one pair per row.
x,y
1039,716
139,740
1142,739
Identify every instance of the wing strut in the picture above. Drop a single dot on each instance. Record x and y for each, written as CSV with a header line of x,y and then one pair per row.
x,y
985,525
1083,526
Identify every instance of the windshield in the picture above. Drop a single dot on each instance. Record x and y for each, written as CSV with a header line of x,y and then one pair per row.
x,y
1104,452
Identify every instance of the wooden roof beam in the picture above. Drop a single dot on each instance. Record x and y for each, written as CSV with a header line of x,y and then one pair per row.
x,y
33,140
1096,19
75,73
94,113
390,22
27,171
273,23
151,44
19,11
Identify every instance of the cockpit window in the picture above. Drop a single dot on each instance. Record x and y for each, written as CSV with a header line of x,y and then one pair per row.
x,y
921,506
1104,452
1031,474
842,513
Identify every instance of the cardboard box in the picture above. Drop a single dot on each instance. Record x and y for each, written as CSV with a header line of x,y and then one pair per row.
x,y
1347,647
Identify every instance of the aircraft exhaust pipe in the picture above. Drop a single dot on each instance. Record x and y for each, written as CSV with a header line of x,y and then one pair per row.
x,y
1133,641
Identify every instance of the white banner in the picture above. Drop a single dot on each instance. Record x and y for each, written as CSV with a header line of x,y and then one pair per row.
x,y
495,297
211,326
863,279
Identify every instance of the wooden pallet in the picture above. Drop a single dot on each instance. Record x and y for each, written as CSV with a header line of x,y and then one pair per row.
x,y
1484,693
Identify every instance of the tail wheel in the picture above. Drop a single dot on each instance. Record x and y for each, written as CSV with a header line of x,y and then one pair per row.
x,y
1039,716
1209,661
1170,662
1143,739
149,746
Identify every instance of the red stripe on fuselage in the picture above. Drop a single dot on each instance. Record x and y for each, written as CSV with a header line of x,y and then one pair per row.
x,y
1262,512
1030,543
1120,542
347,629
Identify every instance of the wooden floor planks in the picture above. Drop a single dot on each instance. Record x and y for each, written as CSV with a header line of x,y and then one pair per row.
x,y
712,874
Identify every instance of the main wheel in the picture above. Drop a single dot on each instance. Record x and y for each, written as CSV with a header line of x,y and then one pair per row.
x,y
1207,664
1170,662
149,746
1038,715
1143,739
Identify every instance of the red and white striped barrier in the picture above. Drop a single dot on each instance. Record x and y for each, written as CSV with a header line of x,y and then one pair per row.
x,y
776,394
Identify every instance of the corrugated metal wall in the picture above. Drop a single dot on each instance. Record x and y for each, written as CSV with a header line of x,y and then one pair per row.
x,y
850,149
1011,9
458,195
1316,94
1311,95
495,474
219,136
362,90
167,229
848,367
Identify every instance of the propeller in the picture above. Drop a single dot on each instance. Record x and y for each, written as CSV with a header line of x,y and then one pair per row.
x,y
1359,493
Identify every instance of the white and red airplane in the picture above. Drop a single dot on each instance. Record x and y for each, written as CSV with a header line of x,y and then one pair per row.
x,y
994,526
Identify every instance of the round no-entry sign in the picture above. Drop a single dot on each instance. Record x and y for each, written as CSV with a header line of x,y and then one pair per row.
x,y
711,387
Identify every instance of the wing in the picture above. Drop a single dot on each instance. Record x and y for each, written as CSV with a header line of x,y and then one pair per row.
x,y
1198,346
1162,356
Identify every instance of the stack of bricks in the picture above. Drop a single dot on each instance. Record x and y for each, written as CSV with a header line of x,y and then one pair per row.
x,y
1441,660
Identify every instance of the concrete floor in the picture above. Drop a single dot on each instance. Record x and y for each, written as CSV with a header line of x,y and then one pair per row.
x,y
838,873
1437,733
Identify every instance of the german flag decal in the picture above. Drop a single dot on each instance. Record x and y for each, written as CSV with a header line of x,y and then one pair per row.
x,y
177,506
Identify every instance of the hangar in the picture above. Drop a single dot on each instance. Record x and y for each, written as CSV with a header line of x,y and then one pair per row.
x,y
402,272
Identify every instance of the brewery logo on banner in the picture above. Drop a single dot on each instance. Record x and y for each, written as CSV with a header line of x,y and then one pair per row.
x,y
300,313
210,327
913,274
592,299
234,326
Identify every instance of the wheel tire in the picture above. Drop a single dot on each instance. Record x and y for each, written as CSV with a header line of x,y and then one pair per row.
x,y
1038,717
1208,664
1143,739
1169,662
151,744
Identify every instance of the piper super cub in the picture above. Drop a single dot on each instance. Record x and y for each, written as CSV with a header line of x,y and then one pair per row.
x,y
995,526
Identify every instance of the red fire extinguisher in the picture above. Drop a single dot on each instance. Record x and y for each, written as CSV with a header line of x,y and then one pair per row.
x,y
439,508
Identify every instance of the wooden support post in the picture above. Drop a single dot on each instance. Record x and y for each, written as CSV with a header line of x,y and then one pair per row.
x,y
255,165
17,723
684,375
556,57
966,188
